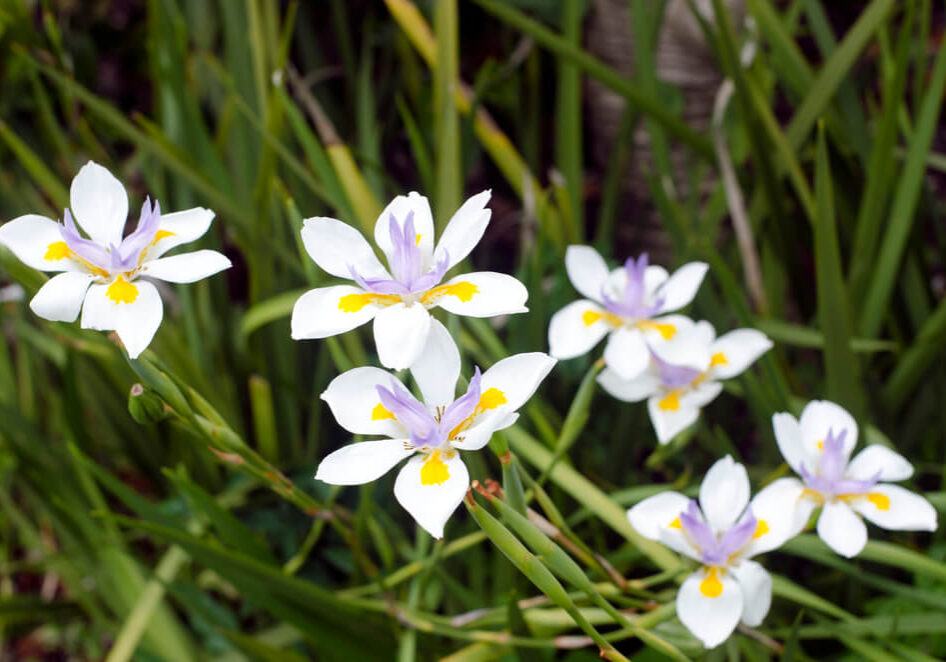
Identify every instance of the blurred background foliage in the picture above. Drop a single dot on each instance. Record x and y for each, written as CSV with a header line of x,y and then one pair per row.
x,y
179,520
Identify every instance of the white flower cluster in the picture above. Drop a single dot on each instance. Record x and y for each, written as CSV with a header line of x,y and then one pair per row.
x,y
652,354
723,529
669,360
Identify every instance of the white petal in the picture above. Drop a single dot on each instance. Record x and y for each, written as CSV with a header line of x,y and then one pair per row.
x,y
355,403
657,518
710,604
657,512
517,377
400,333
841,529
60,298
737,350
586,270
139,321
180,227
789,440
135,322
428,501
669,422
576,328
30,237
704,393
325,311
97,311
677,540
399,208
465,229
99,204
724,493
820,416
338,248
654,276
626,353
479,434
681,287
782,514
437,369
877,459
480,294
688,346
896,508
187,267
756,585
363,461
629,390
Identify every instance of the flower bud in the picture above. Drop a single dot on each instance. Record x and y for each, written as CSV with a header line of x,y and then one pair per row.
x,y
145,406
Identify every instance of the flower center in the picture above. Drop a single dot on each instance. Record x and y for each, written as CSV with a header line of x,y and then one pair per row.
x,y
124,259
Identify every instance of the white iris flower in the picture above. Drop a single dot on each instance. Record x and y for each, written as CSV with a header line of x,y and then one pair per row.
x,y
818,447
398,300
677,389
722,534
372,401
627,304
107,275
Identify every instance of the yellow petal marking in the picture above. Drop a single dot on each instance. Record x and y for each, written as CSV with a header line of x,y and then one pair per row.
x,y
711,587
380,413
352,303
671,401
676,524
811,494
417,240
56,251
162,234
434,471
464,291
121,291
719,358
589,317
820,444
761,529
491,398
880,501
665,329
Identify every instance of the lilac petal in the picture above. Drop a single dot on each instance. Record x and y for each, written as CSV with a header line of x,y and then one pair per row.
x,y
138,241
697,529
411,413
407,261
674,376
833,462
633,303
854,486
433,277
378,285
87,249
464,406
634,290
736,537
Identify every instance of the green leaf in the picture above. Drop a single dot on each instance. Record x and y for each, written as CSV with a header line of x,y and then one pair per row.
x,y
268,311
903,210
234,533
841,366
329,620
